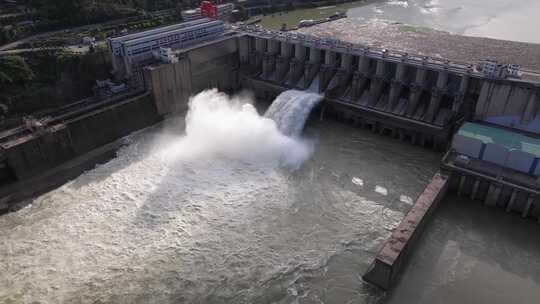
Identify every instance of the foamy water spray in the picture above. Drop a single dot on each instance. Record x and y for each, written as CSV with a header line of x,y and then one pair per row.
x,y
218,125
291,109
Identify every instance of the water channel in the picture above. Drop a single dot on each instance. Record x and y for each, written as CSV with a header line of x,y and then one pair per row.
x,y
217,216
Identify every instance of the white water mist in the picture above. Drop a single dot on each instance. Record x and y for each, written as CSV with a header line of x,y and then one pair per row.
x,y
291,109
221,126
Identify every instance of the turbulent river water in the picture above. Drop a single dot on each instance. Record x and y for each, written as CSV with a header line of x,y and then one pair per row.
x,y
228,211
502,19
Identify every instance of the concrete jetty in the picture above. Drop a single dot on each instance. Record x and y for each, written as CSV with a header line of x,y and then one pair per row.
x,y
392,257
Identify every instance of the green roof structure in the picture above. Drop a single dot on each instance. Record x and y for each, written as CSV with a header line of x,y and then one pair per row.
x,y
502,137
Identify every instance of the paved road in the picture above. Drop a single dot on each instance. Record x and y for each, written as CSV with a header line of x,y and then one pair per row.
x,y
20,51
15,44
78,49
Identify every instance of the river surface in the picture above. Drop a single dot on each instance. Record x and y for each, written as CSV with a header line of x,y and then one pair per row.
x,y
166,222
169,222
501,19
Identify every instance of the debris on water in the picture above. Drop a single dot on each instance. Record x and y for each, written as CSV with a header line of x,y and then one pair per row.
x,y
357,181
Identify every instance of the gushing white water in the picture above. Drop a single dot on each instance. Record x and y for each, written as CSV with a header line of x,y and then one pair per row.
x,y
218,125
291,109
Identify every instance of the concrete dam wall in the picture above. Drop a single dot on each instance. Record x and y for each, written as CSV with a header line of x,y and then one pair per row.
x,y
39,151
416,98
212,65
509,105
413,97
34,161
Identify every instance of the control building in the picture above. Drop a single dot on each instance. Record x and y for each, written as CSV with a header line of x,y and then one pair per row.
x,y
130,52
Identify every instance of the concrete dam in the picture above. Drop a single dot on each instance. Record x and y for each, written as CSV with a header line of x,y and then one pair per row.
x,y
418,98
411,96
426,101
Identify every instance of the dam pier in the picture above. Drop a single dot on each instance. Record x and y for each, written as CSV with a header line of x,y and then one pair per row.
x,y
415,98
483,115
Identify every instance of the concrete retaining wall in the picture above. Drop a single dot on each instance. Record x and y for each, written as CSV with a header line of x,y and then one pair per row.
x,y
204,67
171,85
511,105
495,184
393,255
43,150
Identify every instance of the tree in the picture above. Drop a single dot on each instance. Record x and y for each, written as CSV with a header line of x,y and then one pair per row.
x,y
14,69
72,12
58,10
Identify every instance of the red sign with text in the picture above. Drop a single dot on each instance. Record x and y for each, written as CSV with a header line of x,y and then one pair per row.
x,y
208,9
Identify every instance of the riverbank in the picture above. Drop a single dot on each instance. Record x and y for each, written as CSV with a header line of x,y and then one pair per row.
x,y
322,10
59,78
270,8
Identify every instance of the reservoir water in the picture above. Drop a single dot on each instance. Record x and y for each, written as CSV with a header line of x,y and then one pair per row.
x,y
501,19
229,211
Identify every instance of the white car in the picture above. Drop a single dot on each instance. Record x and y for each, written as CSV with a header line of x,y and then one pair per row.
x,y
305,23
